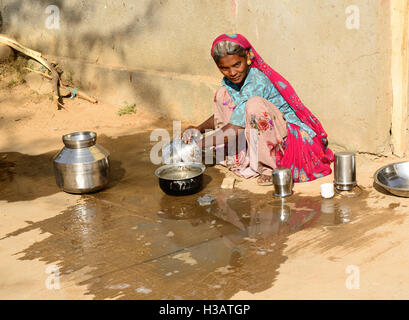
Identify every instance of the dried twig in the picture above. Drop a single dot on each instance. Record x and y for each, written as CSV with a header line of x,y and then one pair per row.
x,y
36,56
55,77
80,94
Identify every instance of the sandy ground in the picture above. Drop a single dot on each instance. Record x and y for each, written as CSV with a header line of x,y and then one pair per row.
x,y
30,122
375,246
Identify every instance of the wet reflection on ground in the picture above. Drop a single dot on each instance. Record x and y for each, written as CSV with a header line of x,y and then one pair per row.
x,y
138,243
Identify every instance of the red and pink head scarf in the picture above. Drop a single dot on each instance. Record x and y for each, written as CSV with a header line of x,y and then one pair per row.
x,y
282,85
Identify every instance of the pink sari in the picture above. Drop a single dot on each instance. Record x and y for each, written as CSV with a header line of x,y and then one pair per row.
x,y
307,161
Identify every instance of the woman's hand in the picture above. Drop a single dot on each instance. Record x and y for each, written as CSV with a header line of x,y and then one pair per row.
x,y
190,133
195,132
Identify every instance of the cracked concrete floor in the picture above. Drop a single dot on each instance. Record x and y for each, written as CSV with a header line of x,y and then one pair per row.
x,y
131,241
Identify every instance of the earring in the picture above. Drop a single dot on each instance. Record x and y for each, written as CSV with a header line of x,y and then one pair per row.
x,y
249,62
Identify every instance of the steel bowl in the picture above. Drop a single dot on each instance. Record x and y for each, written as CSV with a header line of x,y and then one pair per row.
x,y
181,178
81,139
394,178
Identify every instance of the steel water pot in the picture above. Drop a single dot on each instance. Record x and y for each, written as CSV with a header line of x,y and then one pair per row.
x,y
82,166
177,151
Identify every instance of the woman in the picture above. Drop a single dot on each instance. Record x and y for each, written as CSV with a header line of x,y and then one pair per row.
x,y
257,99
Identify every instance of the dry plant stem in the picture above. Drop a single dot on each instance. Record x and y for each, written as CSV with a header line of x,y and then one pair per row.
x,y
63,85
37,56
55,78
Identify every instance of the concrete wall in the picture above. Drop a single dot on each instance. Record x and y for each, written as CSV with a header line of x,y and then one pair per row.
x,y
156,53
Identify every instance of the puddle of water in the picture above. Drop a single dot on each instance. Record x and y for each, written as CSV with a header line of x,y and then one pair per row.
x,y
140,243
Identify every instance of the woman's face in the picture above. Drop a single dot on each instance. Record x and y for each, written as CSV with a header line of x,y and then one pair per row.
x,y
234,67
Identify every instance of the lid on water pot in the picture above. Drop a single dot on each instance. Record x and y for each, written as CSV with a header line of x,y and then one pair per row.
x,y
81,139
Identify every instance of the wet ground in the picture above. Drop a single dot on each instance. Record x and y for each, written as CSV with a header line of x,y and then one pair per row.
x,y
139,243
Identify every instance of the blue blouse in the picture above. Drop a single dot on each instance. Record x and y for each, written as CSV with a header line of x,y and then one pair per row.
x,y
258,84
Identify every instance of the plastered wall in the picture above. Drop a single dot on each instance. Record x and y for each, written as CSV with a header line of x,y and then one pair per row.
x,y
156,53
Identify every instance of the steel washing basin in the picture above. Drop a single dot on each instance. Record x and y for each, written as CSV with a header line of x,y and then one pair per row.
x,y
394,178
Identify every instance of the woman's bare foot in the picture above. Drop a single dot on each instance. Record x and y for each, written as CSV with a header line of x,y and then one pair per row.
x,y
265,180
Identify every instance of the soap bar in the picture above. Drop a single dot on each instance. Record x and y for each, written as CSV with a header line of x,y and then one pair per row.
x,y
228,183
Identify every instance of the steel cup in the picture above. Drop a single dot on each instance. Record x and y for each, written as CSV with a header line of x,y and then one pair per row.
x,y
344,171
283,182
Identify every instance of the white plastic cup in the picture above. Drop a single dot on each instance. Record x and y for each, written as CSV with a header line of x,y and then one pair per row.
x,y
327,190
